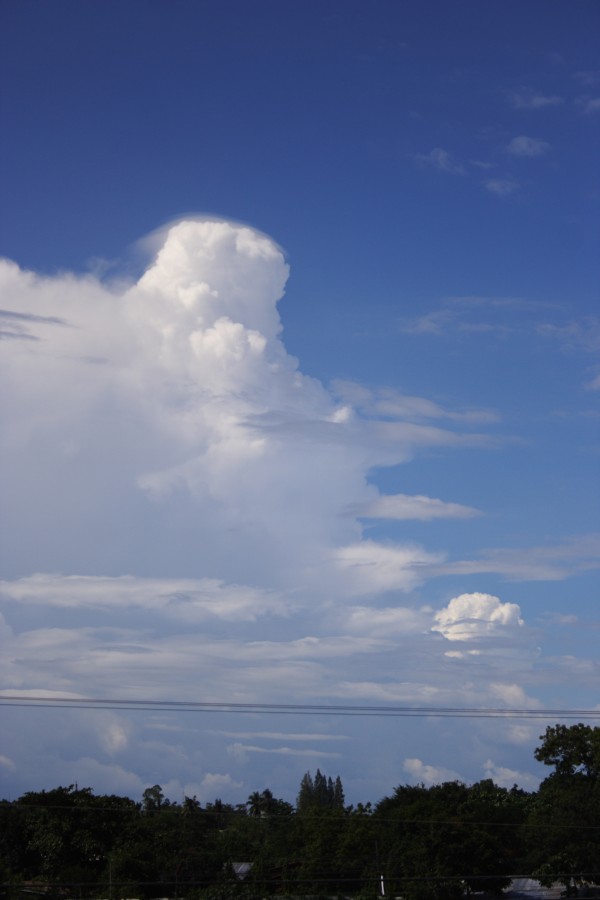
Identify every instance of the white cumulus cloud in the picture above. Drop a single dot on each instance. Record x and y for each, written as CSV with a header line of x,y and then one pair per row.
x,y
473,616
423,773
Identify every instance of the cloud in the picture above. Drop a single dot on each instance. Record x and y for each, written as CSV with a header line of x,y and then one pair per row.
x,y
500,318
435,322
580,553
502,187
421,773
213,781
512,695
475,616
387,622
390,404
527,147
239,751
181,408
419,508
594,384
7,763
370,567
527,98
589,105
441,160
14,325
187,600
583,334
285,736
588,77
507,778
193,505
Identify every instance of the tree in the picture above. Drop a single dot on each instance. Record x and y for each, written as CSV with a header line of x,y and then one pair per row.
x,y
564,823
439,841
154,798
320,792
571,749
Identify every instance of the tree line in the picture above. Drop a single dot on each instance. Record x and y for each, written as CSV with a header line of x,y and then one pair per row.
x,y
420,843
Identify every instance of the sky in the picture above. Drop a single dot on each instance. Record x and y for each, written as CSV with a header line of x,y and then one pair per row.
x,y
300,369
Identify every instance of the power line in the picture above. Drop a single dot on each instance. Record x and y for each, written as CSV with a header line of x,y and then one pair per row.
x,y
294,708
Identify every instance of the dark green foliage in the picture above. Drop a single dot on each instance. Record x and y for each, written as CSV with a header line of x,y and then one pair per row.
x,y
320,793
571,749
437,843
565,813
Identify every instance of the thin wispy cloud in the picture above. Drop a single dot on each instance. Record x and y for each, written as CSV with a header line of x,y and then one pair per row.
x,y
554,563
583,334
420,508
495,316
527,147
442,161
594,384
502,187
528,98
588,77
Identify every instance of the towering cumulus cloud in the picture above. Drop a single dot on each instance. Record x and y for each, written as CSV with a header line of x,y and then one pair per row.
x,y
187,511
240,414
163,424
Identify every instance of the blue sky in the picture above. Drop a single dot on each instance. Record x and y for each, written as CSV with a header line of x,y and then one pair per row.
x,y
301,339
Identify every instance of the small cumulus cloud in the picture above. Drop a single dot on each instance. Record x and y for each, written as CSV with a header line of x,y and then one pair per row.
x,y
506,778
214,781
512,695
422,773
114,737
520,734
475,616
527,147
